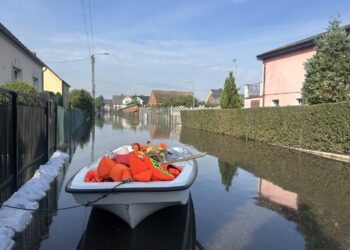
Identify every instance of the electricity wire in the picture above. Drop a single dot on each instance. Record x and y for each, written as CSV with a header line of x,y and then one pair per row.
x,y
91,31
85,26
71,61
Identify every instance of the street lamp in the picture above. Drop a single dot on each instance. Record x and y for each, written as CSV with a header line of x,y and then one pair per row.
x,y
193,92
93,73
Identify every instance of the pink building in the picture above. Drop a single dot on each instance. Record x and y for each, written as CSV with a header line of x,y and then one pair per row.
x,y
284,73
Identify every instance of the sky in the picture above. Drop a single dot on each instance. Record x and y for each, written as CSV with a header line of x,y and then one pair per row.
x,y
183,45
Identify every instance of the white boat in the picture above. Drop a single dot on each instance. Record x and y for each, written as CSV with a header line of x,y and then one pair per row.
x,y
134,201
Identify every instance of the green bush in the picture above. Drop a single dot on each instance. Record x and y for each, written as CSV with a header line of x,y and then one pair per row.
x,y
323,127
81,99
21,86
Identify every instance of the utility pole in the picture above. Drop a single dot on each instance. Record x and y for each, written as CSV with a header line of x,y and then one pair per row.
x,y
93,98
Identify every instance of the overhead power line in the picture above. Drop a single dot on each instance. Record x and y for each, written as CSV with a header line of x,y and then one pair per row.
x,y
85,27
91,31
71,61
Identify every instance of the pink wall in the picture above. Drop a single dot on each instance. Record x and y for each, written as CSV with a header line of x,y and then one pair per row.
x,y
278,195
284,77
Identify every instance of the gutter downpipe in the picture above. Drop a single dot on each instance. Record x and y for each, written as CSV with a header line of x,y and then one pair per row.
x,y
264,76
42,76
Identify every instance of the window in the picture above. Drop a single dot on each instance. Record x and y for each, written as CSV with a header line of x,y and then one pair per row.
x,y
16,73
36,83
299,101
276,103
36,80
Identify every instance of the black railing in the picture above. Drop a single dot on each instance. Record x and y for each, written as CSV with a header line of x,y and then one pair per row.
x,y
28,126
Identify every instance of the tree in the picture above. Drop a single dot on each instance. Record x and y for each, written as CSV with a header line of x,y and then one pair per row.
x,y
327,77
99,103
230,97
21,86
81,99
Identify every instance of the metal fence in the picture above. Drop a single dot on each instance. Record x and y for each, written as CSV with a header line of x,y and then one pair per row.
x,y
72,126
28,126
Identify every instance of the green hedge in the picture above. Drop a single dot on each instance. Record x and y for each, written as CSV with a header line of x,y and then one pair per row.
x,y
324,127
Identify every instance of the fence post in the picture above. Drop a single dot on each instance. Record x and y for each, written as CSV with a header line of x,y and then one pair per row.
x,y
47,107
14,138
56,126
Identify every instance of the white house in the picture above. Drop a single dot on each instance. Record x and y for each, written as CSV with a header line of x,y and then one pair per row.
x,y
120,101
17,62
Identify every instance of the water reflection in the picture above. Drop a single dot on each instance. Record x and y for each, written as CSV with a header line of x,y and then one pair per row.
x,y
227,171
170,228
312,191
158,126
247,196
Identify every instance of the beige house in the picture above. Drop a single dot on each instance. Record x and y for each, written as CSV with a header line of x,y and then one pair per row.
x,y
17,62
214,97
53,83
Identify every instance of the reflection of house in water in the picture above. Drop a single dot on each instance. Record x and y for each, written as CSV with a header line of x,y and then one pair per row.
x,y
158,127
277,199
164,127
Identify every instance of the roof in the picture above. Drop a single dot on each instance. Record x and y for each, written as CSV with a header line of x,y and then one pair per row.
x,y
216,93
64,82
15,40
305,43
144,98
163,96
108,101
118,99
253,89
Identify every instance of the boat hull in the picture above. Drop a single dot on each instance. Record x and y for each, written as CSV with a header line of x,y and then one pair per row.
x,y
136,206
134,201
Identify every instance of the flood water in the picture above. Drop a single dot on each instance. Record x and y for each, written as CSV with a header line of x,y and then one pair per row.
x,y
247,195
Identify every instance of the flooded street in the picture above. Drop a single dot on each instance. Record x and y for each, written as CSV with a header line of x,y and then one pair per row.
x,y
247,195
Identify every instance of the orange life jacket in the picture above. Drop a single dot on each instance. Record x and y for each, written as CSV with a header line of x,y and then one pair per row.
x,y
91,176
120,172
139,169
105,167
174,170
159,173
